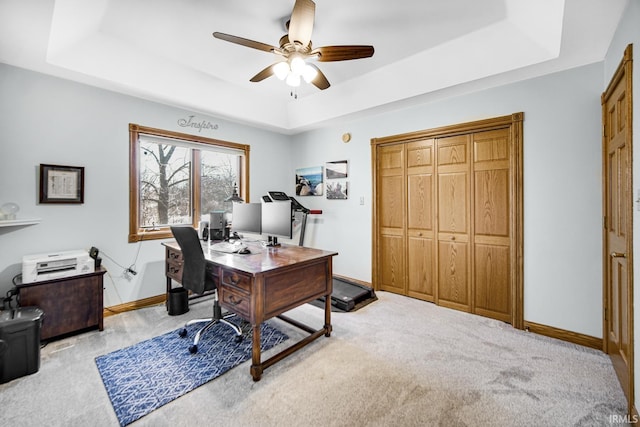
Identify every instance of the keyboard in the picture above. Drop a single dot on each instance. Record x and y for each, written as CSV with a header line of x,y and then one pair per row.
x,y
227,247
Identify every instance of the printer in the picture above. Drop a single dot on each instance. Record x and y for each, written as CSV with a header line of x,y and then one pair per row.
x,y
36,268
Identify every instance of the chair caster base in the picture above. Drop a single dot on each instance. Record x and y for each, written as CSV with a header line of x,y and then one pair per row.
x,y
193,349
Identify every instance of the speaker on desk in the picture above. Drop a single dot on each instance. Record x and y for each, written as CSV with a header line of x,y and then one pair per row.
x,y
217,225
203,230
93,253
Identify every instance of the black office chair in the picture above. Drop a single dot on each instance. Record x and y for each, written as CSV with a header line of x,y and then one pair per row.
x,y
197,276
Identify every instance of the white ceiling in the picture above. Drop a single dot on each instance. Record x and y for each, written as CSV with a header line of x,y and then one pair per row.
x,y
163,50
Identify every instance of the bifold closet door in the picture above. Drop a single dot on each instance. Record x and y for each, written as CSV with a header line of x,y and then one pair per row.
x,y
420,220
454,231
390,205
448,216
491,224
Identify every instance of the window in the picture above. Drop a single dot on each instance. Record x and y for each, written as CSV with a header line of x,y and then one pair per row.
x,y
177,178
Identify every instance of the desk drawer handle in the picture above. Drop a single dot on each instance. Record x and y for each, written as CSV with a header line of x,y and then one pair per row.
x,y
234,301
234,279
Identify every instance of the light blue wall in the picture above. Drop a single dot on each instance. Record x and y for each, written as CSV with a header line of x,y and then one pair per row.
x,y
48,120
628,32
562,183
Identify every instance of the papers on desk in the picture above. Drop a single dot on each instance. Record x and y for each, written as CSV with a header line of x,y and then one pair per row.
x,y
227,247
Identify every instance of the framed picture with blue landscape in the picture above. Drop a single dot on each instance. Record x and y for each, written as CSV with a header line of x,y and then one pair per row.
x,y
309,181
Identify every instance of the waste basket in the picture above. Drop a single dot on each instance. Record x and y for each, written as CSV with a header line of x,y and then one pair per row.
x,y
19,342
178,301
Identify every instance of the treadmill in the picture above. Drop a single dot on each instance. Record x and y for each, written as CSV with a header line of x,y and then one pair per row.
x,y
346,295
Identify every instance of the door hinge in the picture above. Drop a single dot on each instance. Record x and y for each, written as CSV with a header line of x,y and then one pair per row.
x,y
605,315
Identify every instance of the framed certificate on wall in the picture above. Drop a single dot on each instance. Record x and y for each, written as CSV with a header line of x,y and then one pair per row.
x,y
61,184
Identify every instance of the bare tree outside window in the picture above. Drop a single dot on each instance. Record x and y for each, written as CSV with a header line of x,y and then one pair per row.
x,y
219,173
165,185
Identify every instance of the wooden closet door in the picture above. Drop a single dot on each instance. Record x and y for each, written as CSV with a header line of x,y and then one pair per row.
x,y
448,219
391,204
454,200
420,222
491,224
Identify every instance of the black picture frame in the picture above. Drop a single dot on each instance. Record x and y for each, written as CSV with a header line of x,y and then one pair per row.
x,y
61,184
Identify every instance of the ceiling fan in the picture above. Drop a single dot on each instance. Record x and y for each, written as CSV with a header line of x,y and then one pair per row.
x,y
295,48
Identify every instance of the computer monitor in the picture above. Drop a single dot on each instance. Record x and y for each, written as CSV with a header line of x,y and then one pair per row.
x,y
277,220
247,218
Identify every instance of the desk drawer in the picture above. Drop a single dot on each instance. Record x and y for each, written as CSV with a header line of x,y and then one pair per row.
x,y
173,266
174,271
236,280
236,301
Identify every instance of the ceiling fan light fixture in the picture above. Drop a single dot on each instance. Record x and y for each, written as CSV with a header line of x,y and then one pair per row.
x,y
297,65
293,80
309,73
295,48
281,70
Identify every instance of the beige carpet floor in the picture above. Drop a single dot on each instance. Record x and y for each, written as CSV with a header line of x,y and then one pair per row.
x,y
396,362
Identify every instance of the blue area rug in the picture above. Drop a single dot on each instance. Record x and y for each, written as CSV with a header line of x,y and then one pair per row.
x,y
145,376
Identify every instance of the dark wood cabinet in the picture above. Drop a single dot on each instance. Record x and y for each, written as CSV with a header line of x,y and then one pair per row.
x,y
70,304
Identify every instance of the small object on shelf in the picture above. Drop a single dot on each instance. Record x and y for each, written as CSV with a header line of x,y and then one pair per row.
x,y
8,211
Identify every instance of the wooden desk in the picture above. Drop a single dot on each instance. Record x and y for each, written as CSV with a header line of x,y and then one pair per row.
x,y
265,284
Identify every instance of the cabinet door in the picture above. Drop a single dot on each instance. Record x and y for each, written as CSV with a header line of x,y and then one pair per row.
x,y
453,159
420,223
391,213
69,305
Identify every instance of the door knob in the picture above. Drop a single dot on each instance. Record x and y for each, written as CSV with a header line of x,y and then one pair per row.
x,y
618,255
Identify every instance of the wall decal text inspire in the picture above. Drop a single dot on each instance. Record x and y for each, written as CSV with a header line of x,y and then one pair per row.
x,y
192,122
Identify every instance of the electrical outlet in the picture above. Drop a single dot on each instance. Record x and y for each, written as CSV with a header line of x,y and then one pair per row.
x,y
362,200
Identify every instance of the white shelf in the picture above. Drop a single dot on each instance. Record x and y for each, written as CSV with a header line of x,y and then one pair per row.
x,y
18,222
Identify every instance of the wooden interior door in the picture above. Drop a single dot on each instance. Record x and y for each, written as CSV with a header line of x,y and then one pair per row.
x,y
390,204
454,200
618,213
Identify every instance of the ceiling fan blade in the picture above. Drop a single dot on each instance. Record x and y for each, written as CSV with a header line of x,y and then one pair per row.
x,y
320,81
301,23
267,72
342,53
245,42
